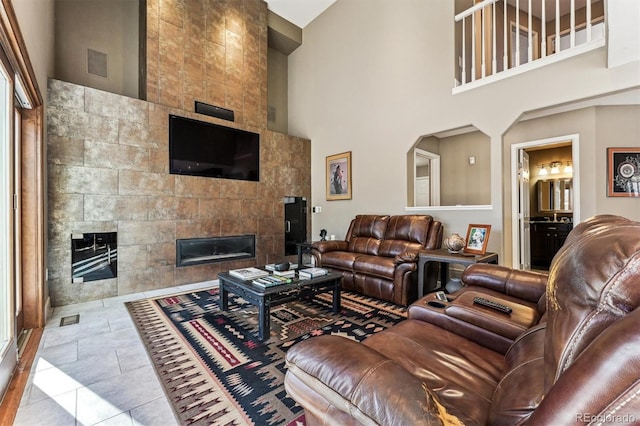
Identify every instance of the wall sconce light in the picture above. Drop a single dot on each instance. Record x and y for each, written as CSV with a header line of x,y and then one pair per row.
x,y
543,170
554,168
568,168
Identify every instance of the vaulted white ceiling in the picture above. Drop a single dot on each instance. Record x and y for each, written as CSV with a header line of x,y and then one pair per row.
x,y
299,12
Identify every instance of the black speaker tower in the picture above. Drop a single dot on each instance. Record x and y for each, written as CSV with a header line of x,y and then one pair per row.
x,y
214,111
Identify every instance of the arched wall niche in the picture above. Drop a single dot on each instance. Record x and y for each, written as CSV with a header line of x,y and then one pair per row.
x,y
450,168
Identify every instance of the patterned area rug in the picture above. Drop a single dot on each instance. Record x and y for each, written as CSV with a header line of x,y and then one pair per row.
x,y
216,371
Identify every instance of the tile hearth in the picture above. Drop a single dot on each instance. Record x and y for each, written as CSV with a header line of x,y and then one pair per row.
x,y
83,373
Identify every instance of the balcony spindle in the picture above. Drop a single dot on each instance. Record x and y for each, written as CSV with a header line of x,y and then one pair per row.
x,y
573,24
483,44
473,48
505,33
530,35
516,40
588,29
494,62
543,40
557,39
464,51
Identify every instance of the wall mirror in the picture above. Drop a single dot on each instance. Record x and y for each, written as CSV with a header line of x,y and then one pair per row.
x,y
551,179
555,195
451,168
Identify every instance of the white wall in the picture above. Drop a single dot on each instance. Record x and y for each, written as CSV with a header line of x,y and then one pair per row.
x,y
624,46
109,27
373,75
36,20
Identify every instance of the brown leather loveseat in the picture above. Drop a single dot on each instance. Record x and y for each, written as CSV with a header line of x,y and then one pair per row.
x,y
378,257
577,362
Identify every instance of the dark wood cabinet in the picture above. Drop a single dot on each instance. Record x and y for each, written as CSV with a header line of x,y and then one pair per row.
x,y
295,223
546,240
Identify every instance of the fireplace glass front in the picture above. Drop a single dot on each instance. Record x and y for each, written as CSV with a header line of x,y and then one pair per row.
x,y
194,251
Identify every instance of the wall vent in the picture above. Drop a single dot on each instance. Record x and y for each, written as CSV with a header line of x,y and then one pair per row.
x,y
71,319
97,63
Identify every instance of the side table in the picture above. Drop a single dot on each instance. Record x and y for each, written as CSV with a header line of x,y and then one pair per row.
x,y
304,247
445,258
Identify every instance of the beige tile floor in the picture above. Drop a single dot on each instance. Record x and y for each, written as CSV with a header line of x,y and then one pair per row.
x,y
96,372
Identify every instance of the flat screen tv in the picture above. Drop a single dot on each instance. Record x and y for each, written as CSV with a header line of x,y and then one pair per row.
x,y
198,148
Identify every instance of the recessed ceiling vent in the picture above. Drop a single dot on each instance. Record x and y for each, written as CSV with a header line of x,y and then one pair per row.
x,y
97,63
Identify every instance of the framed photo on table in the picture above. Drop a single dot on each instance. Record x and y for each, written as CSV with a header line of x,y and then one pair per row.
x,y
623,172
339,176
477,239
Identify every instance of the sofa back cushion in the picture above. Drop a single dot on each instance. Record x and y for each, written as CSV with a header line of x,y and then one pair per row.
x,y
365,233
593,282
592,364
404,233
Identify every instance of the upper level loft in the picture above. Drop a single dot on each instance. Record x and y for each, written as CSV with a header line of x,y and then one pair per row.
x,y
496,39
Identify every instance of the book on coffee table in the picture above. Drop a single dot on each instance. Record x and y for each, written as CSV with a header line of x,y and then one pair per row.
x,y
271,281
312,272
288,273
248,273
272,266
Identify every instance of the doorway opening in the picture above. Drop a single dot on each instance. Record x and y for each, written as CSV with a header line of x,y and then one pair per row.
x,y
427,178
539,164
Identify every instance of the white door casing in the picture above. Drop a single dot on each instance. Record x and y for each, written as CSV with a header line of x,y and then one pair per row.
x,y
515,197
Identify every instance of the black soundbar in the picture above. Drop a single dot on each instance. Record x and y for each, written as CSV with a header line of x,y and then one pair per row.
x,y
214,111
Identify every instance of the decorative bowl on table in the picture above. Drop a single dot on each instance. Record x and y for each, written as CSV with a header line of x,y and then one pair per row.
x,y
454,243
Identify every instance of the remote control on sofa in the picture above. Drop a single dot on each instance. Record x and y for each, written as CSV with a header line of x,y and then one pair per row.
x,y
491,304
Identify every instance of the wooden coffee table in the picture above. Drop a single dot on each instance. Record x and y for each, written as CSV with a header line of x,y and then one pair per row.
x,y
265,298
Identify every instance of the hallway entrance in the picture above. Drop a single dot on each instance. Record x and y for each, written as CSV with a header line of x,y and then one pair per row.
x,y
540,165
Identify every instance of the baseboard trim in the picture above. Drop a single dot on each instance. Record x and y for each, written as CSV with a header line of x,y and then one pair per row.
x,y
48,310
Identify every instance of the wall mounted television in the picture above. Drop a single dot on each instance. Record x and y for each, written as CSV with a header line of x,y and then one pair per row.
x,y
198,148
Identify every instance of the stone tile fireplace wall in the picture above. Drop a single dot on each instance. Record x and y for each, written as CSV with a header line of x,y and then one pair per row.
x,y
108,154
108,172
211,51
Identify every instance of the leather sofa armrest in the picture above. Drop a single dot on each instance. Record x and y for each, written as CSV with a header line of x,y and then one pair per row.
x,y
525,285
601,385
332,245
359,381
430,309
406,257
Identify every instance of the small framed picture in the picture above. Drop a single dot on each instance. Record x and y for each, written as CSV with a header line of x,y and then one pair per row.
x,y
339,176
623,172
477,239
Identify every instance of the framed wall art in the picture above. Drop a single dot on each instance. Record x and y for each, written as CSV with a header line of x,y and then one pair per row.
x,y
477,238
339,176
623,172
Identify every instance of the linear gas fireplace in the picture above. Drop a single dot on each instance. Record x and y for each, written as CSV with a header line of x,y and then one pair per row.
x,y
194,251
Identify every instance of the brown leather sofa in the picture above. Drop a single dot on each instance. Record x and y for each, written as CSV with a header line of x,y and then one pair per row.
x,y
378,256
576,362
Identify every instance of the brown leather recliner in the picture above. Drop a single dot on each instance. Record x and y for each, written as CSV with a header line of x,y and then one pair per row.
x,y
578,363
378,256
